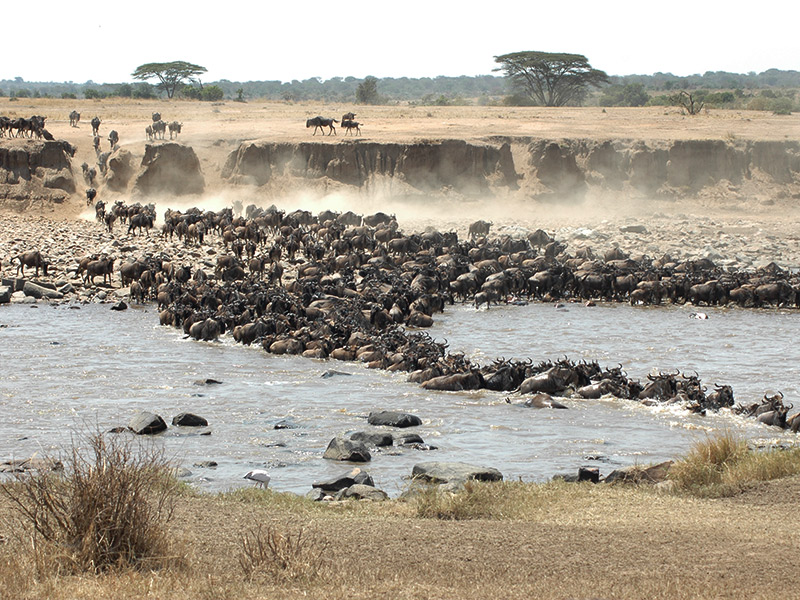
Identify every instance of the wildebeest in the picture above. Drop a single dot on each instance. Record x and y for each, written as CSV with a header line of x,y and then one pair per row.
x,y
159,127
156,116
30,259
89,173
113,138
96,126
349,125
103,266
320,122
174,127
479,229
74,117
90,196
148,131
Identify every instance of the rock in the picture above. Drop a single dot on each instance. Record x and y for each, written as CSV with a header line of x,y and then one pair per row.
x,y
589,474
285,424
189,420
393,418
5,294
356,476
362,492
207,381
633,229
376,440
453,472
206,464
402,439
147,423
317,495
639,474
119,306
38,291
120,170
169,168
340,448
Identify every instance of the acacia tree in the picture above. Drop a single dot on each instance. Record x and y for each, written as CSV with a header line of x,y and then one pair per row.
x,y
170,74
550,79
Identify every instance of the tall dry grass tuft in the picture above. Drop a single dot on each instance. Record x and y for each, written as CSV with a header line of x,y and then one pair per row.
x,y
476,500
109,508
280,555
723,465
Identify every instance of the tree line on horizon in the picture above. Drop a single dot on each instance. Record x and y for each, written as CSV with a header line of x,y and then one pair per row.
x,y
579,84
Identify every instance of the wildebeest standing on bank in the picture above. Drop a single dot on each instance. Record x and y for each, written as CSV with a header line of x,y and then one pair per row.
x,y
30,259
174,127
74,117
349,125
96,126
159,127
320,122
113,138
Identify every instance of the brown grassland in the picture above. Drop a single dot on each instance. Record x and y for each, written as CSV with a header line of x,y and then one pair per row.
x,y
513,539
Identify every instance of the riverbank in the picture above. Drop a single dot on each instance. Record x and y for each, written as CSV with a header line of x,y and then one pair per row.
x,y
565,541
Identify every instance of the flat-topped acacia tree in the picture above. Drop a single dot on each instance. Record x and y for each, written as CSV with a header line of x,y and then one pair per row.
x,y
169,74
550,79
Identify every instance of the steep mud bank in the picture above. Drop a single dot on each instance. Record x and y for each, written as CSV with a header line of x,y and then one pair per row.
x,y
425,166
544,169
680,168
35,173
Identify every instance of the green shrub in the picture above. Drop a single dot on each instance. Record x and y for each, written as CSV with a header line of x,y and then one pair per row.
x,y
212,93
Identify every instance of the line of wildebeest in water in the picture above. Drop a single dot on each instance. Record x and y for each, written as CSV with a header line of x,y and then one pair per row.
x,y
364,291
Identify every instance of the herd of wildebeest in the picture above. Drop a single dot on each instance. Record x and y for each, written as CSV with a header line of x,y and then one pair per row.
x,y
358,288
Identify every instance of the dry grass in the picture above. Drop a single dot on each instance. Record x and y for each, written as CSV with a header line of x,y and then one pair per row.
x,y
281,553
549,541
724,465
107,510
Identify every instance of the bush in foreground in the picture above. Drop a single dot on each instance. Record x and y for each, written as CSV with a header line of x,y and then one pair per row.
x,y
109,508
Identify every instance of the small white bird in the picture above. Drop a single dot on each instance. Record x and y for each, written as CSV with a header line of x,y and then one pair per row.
x,y
260,476
699,315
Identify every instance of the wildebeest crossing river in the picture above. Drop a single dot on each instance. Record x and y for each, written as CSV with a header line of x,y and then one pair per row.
x,y
68,369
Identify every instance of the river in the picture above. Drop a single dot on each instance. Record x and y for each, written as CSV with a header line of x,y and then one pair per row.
x,y
66,370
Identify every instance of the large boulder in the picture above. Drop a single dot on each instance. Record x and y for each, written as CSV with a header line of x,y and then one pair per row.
x,y
5,294
40,291
356,476
340,448
393,418
453,472
147,423
169,168
185,419
119,170
376,440
640,474
360,491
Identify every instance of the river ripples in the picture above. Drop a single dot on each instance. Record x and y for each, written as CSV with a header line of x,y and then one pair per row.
x,y
65,371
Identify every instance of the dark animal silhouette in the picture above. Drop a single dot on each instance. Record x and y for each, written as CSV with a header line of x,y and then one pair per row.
x,y
321,122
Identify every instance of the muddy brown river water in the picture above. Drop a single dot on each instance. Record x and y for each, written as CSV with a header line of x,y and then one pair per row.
x,y
66,370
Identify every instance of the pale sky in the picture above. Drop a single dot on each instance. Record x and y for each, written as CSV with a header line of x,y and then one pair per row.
x,y
105,40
